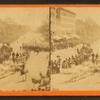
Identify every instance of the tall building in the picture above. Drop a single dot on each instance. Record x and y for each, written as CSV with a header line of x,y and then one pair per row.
x,y
63,22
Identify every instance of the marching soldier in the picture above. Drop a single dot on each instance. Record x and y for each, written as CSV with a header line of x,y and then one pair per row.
x,y
73,60
54,67
97,56
76,60
93,58
69,62
58,61
64,64
13,57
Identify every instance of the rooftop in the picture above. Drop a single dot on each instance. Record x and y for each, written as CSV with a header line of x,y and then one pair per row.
x,y
68,11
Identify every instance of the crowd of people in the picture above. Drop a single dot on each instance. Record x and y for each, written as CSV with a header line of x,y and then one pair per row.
x,y
85,53
16,60
19,60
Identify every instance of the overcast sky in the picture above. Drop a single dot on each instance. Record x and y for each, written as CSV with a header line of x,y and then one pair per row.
x,y
33,17
87,12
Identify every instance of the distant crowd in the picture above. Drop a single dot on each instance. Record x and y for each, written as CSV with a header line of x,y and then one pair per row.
x,y
85,53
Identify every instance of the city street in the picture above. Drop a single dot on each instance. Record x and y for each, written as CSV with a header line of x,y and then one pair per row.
x,y
85,76
36,64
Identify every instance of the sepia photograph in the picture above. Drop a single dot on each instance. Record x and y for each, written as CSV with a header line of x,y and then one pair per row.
x,y
49,49
24,49
75,52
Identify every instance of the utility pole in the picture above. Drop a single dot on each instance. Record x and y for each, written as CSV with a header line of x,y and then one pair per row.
x,y
50,44
50,48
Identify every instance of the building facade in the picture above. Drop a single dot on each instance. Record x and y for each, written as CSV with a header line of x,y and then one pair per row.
x,y
63,22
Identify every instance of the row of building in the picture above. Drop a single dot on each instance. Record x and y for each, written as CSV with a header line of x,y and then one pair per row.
x,y
63,24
